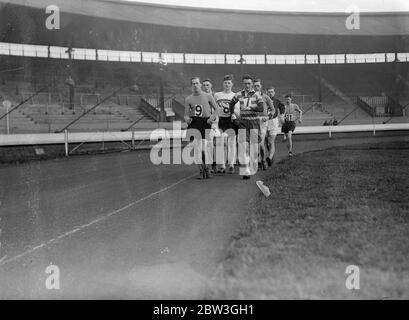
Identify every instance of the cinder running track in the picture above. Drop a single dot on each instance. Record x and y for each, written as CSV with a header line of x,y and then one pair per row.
x,y
119,227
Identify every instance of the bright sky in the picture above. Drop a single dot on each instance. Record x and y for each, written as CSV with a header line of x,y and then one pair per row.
x,y
293,5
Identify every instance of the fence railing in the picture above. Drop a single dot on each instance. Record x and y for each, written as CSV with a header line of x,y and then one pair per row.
x,y
365,106
162,133
178,109
151,112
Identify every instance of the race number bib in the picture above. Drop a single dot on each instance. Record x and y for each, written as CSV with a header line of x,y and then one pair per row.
x,y
289,117
224,106
198,110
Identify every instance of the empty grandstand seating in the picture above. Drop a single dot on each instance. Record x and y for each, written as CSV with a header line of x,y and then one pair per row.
x,y
46,112
18,123
49,110
376,105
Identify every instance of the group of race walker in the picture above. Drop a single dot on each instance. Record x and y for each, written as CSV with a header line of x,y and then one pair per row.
x,y
226,127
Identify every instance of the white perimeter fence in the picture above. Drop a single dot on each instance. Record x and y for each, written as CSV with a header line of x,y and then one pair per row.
x,y
163,134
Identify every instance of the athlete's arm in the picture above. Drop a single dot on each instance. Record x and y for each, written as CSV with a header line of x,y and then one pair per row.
x,y
217,109
297,108
233,103
214,116
187,109
270,108
259,107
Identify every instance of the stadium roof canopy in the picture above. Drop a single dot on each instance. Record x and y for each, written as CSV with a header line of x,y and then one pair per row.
x,y
375,24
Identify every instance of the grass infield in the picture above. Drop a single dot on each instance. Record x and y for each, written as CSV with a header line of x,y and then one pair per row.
x,y
328,210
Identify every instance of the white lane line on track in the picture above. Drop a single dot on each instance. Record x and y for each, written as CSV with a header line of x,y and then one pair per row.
x,y
66,193
104,217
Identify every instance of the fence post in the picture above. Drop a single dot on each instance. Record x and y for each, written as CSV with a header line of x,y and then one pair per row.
x,y
66,142
133,139
329,131
7,117
373,123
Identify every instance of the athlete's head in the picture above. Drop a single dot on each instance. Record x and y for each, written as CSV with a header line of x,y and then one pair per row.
x,y
207,86
196,84
228,82
247,82
288,98
257,85
271,91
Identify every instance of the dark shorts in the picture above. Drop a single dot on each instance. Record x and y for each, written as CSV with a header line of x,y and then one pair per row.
x,y
248,125
288,126
200,125
225,123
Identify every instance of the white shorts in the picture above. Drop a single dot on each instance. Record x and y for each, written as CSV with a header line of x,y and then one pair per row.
x,y
263,129
272,127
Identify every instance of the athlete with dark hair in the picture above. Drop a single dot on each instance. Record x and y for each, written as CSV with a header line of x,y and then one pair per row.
x,y
268,107
246,117
289,119
207,86
199,115
273,124
225,125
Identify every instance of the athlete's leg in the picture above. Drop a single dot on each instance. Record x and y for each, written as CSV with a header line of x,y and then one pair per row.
x,y
243,155
255,139
208,150
272,145
263,133
284,130
254,147
225,151
231,150
262,154
243,150
290,141
198,154
220,153
194,136
207,146
211,147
